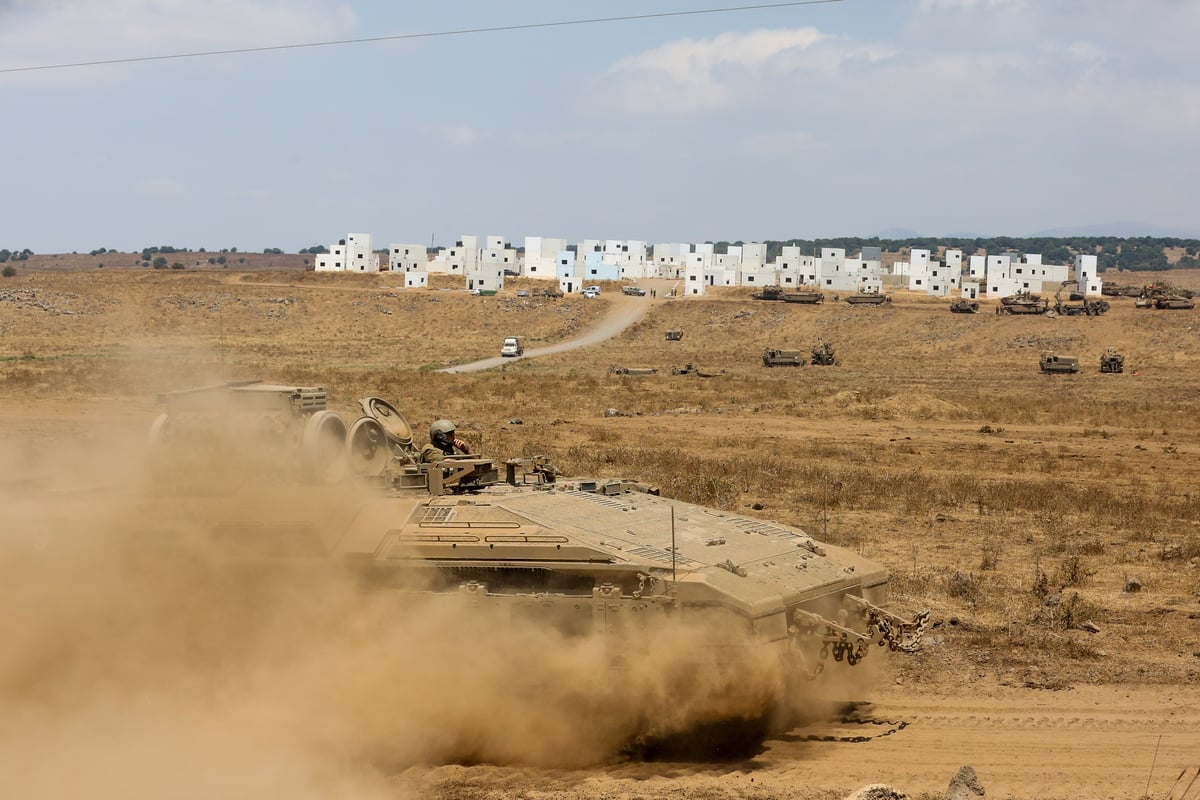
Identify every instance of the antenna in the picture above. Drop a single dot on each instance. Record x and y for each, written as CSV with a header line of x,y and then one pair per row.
x,y
673,543
1152,763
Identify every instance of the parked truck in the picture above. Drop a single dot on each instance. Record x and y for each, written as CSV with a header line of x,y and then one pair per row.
x,y
513,346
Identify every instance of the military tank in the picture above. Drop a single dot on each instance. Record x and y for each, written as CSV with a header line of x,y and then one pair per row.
x,y
804,296
591,556
867,298
773,292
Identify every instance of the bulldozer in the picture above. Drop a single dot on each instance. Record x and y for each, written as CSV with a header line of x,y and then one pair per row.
x,y
601,557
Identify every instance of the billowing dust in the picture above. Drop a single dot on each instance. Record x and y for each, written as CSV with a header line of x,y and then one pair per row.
x,y
137,664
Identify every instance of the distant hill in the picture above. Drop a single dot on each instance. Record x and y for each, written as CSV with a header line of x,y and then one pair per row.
x,y
1124,230
897,233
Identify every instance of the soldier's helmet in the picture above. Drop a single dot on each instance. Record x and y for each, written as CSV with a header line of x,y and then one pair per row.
x,y
441,432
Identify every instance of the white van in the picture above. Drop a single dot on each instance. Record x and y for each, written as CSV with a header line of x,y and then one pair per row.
x,y
513,346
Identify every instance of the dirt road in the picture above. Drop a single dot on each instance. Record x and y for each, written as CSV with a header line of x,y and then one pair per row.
x,y
1094,742
624,310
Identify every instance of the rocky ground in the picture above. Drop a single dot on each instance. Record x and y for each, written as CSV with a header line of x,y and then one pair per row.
x,y
1051,524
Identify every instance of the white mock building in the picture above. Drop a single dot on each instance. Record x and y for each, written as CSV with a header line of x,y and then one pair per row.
x,y
352,254
408,258
794,269
1087,276
541,256
568,281
837,273
669,259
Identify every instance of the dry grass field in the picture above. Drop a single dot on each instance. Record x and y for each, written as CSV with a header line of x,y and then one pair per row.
x,y
1050,522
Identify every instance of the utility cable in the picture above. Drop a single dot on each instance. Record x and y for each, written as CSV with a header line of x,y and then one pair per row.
x,y
405,36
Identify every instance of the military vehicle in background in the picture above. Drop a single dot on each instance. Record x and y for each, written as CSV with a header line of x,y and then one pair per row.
x,y
964,306
774,357
1174,303
1112,361
1077,303
691,369
1051,363
674,335
552,292
822,355
1023,303
515,541
633,371
1112,289
868,298
1164,296
804,296
769,293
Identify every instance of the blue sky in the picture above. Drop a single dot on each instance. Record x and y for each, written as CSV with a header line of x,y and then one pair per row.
x,y
993,117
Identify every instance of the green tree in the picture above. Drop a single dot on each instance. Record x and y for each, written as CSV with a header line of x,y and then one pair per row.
x,y
9,271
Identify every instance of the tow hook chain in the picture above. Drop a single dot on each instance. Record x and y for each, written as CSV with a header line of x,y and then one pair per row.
x,y
898,634
846,720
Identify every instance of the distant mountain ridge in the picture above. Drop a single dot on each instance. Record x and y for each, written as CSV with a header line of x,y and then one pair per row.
x,y
1123,230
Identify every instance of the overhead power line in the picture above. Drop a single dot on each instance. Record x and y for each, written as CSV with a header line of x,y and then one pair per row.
x,y
404,36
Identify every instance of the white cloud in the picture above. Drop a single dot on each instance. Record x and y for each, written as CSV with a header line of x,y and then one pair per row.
x,y
691,74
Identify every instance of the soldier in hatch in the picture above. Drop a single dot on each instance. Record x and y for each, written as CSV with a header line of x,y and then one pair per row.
x,y
443,443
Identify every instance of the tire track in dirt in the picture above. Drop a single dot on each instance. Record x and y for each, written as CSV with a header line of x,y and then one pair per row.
x,y
623,311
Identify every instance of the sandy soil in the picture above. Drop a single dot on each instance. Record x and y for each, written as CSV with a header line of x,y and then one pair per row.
x,y
935,447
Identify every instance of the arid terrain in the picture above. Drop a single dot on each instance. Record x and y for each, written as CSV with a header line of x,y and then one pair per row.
x,y
1051,523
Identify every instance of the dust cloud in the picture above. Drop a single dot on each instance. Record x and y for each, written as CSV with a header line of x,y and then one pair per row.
x,y
138,665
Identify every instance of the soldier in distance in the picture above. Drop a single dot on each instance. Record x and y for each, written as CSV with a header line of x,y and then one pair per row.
x,y
443,443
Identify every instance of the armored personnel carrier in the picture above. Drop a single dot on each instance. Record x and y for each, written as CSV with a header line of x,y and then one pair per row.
x,y
774,357
675,335
599,557
1051,363
964,307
